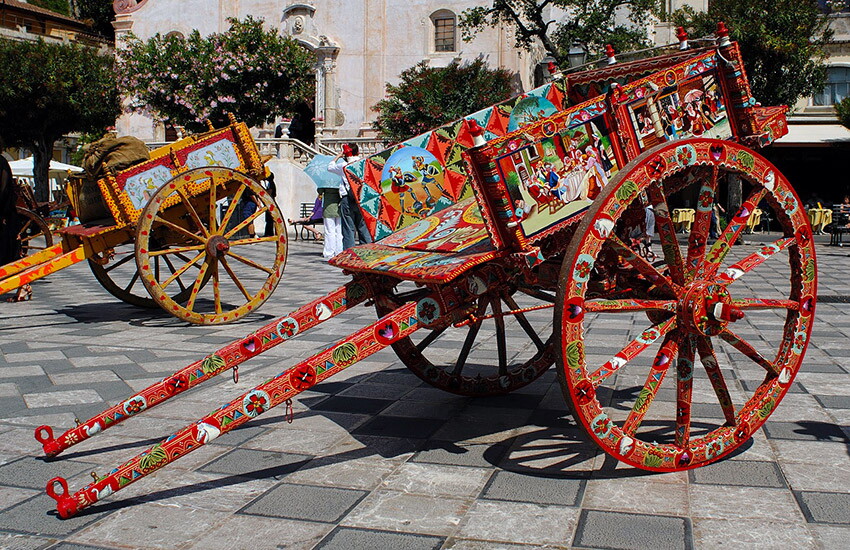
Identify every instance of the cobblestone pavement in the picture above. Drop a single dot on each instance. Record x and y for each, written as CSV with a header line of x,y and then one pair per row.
x,y
377,459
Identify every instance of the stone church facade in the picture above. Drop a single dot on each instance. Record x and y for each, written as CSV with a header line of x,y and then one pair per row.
x,y
360,46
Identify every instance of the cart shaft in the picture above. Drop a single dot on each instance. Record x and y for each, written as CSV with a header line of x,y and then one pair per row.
x,y
228,357
31,268
394,326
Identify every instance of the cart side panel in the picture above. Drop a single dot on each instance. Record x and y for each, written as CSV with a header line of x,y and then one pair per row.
x,y
425,174
542,177
682,101
127,193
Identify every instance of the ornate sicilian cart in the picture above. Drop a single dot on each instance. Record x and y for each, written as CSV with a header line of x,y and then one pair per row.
x,y
182,216
502,236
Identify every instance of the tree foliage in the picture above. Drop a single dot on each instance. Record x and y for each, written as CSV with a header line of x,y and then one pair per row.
x,y
253,73
782,43
48,90
59,6
842,109
592,23
98,14
427,97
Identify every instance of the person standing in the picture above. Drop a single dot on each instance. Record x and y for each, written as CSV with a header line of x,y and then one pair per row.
x,y
268,231
330,215
353,224
10,243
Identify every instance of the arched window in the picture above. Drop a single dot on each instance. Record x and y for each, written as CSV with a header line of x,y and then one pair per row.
x,y
175,34
445,31
837,87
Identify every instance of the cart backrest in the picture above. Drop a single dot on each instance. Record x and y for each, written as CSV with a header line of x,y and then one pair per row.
x,y
422,175
127,192
537,180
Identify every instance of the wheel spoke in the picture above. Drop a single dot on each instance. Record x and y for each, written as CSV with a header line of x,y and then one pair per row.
x,y
171,267
501,344
702,225
730,234
660,366
182,270
246,222
216,289
213,200
642,265
231,208
736,270
196,287
667,233
741,345
537,293
248,262
757,303
632,350
122,261
429,339
235,279
176,250
192,212
132,282
617,306
523,322
715,375
254,240
180,230
684,390
470,338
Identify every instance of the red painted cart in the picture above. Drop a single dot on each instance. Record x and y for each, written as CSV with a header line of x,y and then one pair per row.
x,y
158,232
489,225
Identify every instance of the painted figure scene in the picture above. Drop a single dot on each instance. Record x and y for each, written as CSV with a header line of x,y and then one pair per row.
x,y
692,108
559,175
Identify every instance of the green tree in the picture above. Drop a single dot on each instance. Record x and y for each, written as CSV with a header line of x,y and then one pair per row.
x,y
48,90
253,73
842,109
59,6
782,43
98,14
592,23
427,97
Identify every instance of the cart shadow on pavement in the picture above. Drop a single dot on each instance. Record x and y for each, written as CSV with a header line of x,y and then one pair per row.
x,y
139,316
542,443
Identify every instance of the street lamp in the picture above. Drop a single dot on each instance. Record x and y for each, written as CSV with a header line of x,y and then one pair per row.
x,y
577,55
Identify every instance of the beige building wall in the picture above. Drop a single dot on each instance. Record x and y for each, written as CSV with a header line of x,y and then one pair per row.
x,y
361,45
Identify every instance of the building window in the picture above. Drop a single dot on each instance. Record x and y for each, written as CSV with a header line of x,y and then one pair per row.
x,y
837,87
444,31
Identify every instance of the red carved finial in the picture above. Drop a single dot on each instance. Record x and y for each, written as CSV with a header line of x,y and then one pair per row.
x,y
682,35
552,68
476,131
722,34
609,51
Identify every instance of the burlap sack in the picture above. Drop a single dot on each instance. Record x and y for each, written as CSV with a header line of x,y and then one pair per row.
x,y
114,153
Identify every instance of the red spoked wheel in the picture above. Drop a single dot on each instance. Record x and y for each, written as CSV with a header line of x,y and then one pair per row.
x,y
506,345
646,363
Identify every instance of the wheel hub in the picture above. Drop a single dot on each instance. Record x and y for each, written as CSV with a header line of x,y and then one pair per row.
x,y
217,246
706,308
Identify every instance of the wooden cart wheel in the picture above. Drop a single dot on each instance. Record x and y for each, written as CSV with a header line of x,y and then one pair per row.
x,y
663,400
120,277
490,357
195,223
35,234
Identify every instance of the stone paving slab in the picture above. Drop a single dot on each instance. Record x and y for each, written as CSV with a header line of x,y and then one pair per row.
x,y
377,458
